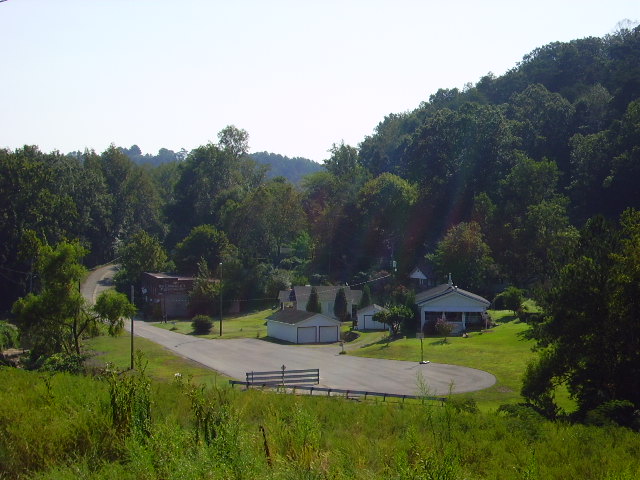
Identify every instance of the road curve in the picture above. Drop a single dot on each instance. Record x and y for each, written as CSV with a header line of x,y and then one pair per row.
x,y
234,357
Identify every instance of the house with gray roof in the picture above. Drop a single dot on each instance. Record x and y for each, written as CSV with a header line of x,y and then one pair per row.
x,y
460,307
298,297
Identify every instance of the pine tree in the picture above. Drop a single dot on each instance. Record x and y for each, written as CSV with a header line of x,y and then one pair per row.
x,y
366,299
313,304
340,305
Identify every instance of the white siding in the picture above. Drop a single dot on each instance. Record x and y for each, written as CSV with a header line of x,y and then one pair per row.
x,y
282,331
318,328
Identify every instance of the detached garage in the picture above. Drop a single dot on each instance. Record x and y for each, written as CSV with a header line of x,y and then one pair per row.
x,y
366,321
298,326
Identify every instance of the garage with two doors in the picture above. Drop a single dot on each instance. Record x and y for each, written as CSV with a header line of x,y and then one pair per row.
x,y
298,326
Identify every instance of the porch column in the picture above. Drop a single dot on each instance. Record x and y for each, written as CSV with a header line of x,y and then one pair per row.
x,y
464,320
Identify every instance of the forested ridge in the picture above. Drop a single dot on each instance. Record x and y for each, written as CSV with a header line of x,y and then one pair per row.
x,y
492,182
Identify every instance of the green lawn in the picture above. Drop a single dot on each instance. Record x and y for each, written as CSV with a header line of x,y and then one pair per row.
x,y
252,325
162,363
500,351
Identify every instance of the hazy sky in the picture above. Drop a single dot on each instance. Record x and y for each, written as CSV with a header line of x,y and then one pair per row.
x,y
297,75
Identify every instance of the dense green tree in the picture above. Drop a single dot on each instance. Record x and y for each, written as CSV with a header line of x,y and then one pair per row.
x,y
464,254
366,298
31,198
269,218
313,304
55,319
212,181
142,253
205,292
234,140
203,242
340,306
385,206
589,338
394,317
511,299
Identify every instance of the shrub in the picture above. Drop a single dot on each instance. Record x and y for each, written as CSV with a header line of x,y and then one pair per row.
x,y
202,324
444,328
621,412
64,362
510,299
8,336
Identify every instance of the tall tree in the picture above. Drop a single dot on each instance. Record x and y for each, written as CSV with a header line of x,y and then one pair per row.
x,y
203,242
55,319
464,254
142,253
313,304
340,306
589,338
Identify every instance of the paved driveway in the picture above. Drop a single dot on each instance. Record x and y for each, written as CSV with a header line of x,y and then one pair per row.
x,y
237,356
234,357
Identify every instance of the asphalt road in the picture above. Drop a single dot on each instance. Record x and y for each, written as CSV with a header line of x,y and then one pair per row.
x,y
234,357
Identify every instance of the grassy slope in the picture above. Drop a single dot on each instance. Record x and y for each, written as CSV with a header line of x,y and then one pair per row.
x,y
162,363
61,426
499,351
246,326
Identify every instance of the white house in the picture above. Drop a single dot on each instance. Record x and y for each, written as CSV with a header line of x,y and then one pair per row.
x,y
366,321
423,276
460,307
298,297
298,326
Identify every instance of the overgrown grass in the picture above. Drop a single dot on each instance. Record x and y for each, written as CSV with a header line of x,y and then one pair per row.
x,y
252,325
61,427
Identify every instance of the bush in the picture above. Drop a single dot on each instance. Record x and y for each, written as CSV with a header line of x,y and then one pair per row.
x,y
444,328
64,362
8,336
202,324
621,412
510,299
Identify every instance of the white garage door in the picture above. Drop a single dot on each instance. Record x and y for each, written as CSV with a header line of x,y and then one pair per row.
x,y
328,334
306,334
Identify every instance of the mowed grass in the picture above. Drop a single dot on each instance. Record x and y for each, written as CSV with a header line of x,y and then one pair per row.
x,y
162,364
500,351
252,325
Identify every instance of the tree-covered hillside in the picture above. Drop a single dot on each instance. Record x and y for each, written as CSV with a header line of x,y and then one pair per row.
x,y
498,176
293,169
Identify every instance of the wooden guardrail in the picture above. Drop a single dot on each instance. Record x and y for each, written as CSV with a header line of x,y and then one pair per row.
x,y
339,391
284,377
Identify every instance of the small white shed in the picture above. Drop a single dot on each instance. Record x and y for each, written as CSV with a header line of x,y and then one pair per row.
x,y
297,326
366,321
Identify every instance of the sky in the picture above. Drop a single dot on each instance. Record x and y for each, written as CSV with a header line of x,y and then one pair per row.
x,y
299,75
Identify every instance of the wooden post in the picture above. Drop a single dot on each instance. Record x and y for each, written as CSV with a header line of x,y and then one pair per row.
x,y
132,302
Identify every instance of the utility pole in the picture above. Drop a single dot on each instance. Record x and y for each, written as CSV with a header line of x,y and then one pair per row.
x,y
220,298
132,302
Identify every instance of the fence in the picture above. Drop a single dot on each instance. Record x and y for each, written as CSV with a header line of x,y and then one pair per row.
x,y
275,379
283,377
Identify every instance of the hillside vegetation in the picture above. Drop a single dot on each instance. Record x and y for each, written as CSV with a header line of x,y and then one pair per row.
x,y
120,426
529,180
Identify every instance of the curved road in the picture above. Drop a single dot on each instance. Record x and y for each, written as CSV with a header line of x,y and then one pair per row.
x,y
234,357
